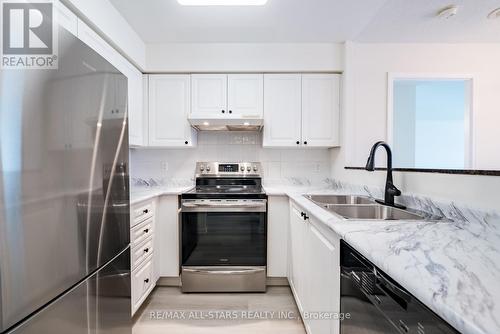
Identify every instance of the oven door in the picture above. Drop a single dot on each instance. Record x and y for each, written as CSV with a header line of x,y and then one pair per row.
x,y
224,245
224,232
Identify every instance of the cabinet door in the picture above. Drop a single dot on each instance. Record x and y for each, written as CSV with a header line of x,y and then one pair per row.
x,y
209,95
141,284
323,281
320,110
167,236
282,110
278,217
245,95
169,110
297,270
135,104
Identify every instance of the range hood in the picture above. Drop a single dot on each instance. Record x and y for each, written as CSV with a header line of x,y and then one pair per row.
x,y
227,124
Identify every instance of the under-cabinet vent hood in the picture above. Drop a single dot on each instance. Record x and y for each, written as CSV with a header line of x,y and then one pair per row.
x,y
227,124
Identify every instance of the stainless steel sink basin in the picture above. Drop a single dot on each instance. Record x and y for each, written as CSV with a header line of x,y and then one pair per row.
x,y
339,199
372,212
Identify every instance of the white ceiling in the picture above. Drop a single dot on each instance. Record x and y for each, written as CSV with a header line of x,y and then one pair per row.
x,y
416,21
165,21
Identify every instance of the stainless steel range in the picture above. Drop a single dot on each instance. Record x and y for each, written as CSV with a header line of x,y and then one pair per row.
x,y
224,229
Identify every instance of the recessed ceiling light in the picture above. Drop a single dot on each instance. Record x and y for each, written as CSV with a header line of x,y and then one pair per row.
x,y
495,14
447,12
222,2
246,124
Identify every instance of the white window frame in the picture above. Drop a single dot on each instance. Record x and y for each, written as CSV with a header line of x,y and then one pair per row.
x,y
470,153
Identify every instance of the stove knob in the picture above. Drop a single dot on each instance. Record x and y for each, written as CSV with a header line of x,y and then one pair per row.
x,y
255,168
249,169
242,168
202,168
208,168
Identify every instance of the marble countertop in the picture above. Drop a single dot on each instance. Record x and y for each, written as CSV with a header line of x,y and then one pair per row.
x,y
452,267
140,194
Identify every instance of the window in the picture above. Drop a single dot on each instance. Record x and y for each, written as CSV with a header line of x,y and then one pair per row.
x,y
430,122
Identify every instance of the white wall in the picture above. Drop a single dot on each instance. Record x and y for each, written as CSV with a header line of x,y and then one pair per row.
x,y
365,111
103,17
244,57
313,164
367,103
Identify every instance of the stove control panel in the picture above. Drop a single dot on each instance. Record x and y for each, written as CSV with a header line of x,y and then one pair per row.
x,y
211,169
228,168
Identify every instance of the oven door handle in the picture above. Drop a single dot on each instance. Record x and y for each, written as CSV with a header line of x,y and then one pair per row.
x,y
221,207
224,272
235,205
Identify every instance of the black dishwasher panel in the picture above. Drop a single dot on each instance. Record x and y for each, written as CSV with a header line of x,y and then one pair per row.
x,y
376,304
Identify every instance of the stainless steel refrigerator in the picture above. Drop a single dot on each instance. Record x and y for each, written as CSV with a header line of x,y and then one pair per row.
x,y
64,199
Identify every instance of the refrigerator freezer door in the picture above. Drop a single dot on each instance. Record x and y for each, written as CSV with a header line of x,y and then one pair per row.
x,y
98,305
64,206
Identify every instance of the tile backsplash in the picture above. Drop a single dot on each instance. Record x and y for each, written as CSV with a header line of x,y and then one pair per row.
x,y
172,165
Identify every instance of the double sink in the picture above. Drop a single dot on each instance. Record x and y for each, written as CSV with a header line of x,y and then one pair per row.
x,y
362,208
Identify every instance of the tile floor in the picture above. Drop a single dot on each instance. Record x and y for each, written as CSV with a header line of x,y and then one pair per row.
x,y
169,311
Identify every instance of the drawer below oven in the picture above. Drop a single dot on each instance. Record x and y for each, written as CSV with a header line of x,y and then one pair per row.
x,y
223,279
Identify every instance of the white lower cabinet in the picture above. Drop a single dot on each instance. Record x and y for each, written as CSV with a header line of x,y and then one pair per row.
x,y
142,251
277,235
142,283
167,233
314,272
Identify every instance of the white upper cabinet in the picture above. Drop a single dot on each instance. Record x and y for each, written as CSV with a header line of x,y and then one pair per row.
x,y
282,110
245,95
301,110
169,105
227,96
209,95
320,110
135,107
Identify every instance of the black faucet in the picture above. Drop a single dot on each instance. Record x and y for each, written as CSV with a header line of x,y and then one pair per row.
x,y
390,189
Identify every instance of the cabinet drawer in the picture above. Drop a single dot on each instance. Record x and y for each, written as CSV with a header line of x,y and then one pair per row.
x,y
141,232
142,211
141,252
142,281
